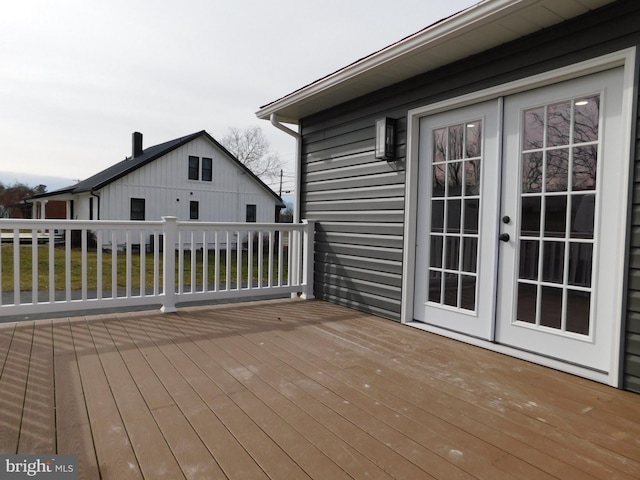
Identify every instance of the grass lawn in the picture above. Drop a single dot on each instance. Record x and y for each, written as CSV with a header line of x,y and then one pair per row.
x,y
26,268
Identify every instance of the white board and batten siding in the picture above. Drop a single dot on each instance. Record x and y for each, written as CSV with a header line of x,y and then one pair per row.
x,y
167,191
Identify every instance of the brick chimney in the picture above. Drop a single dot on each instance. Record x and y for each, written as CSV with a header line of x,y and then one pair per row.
x,y
136,144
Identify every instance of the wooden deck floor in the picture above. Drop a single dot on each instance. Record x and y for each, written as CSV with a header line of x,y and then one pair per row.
x,y
293,390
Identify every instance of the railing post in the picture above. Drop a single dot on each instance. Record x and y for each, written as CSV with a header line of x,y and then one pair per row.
x,y
308,252
170,232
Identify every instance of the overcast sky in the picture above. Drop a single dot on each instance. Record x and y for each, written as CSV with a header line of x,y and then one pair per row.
x,y
77,77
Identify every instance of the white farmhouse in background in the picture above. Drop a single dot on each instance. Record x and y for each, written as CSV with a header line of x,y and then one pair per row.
x,y
191,178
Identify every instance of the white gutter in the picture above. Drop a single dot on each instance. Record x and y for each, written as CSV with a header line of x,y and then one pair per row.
x,y
296,188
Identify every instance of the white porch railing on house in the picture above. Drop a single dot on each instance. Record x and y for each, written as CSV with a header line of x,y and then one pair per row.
x,y
71,265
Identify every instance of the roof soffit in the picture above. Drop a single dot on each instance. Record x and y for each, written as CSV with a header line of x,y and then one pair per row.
x,y
479,28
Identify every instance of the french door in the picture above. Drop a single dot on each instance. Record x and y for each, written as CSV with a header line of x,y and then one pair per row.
x,y
518,234
458,210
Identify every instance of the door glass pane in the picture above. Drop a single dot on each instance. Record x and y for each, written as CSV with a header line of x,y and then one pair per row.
x,y
557,172
532,172
439,176
454,213
471,214
452,252
580,263
551,307
472,177
558,124
468,292
587,119
533,129
527,302
435,285
558,192
553,262
585,163
440,145
455,142
578,310
451,289
555,216
582,215
473,140
436,251
454,179
469,254
529,258
437,216
530,218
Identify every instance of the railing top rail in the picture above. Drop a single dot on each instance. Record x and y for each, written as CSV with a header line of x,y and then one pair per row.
x,y
7,223
194,225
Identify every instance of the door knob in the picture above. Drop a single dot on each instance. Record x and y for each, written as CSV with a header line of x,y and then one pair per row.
x,y
504,237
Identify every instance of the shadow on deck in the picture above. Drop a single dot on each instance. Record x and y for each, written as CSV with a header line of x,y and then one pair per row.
x,y
289,389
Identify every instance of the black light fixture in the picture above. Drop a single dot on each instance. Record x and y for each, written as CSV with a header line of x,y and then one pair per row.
x,y
386,138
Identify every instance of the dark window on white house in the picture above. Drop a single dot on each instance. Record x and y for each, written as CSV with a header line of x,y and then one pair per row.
x,y
207,169
194,167
251,213
194,210
137,209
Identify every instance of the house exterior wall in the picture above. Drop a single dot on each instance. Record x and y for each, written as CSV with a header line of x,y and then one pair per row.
x,y
358,201
167,191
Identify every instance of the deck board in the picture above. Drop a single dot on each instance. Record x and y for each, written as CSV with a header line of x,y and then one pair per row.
x,y
73,433
293,389
38,427
13,386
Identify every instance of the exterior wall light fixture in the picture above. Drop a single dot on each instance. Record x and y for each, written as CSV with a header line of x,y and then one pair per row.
x,y
386,138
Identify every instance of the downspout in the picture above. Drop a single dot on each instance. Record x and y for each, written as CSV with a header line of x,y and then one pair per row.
x,y
296,188
93,194
296,260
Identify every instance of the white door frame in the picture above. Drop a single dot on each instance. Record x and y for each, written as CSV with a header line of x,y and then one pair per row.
x,y
623,58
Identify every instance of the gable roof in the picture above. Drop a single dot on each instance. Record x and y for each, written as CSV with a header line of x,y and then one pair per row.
x,y
480,27
148,155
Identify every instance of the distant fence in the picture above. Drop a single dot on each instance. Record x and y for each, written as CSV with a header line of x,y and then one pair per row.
x,y
67,265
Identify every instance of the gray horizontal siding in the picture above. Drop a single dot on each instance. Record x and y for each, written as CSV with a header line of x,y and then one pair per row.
x,y
631,366
345,189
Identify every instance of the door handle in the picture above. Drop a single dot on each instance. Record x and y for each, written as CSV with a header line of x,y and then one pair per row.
x,y
504,237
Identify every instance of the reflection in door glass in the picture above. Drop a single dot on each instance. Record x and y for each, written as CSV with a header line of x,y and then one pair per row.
x,y
585,164
558,124
587,119
532,172
472,177
557,170
559,166
473,139
455,205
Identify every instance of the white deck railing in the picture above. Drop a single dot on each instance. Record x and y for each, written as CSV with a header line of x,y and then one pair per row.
x,y
71,265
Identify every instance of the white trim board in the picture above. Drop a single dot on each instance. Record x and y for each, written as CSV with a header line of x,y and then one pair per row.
x,y
624,58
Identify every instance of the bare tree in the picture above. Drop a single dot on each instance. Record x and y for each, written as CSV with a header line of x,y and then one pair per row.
x,y
12,198
251,148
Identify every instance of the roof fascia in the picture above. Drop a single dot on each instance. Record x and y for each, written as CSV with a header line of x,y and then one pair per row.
x,y
440,32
